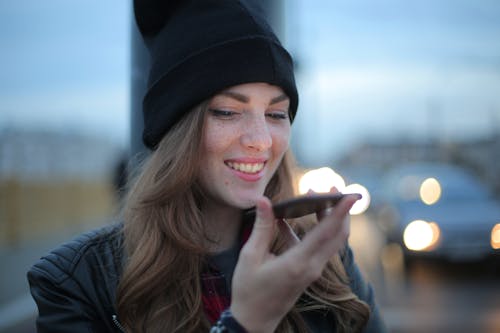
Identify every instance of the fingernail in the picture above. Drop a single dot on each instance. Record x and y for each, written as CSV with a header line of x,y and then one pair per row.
x,y
358,196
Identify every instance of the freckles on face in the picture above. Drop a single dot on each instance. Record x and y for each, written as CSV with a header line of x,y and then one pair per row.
x,y
215,141
246,133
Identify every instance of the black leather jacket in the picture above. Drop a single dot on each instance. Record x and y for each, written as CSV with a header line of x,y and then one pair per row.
x,y
74,287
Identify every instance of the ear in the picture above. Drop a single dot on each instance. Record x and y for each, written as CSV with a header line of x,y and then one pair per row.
x,y
151,15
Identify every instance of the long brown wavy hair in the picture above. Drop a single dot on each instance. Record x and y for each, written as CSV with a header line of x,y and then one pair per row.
x,y
160,290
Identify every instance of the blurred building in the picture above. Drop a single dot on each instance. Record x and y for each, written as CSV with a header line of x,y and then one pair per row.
x,y
48,155
480,156
52,181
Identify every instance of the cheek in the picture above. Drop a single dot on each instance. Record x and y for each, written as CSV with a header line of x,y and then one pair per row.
x,y
217,138
281,140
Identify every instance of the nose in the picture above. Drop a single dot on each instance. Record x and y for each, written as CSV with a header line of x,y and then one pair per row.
x,y
256,134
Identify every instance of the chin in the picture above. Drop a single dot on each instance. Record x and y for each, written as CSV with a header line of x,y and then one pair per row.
x,y
242,198
244,202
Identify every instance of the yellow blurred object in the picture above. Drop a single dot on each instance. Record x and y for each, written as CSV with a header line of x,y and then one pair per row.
x,y
392,257
39,209
320,180
430,191
495,237
421,235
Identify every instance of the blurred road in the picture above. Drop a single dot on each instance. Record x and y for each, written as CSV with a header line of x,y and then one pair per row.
x,y
17,308
447,297
430,297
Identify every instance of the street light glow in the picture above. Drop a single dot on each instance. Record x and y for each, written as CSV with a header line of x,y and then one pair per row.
x,y
430,191
421,235
495,237
321,181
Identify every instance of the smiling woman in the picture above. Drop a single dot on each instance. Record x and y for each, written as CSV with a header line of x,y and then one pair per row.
x,y
246,134
218,113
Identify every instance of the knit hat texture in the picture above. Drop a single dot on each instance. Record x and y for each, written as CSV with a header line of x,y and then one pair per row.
x,y
201,47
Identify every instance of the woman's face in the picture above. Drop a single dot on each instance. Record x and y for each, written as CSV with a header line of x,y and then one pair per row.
x,y
246,134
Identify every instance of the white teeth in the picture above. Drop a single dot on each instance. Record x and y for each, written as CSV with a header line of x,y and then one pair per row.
x,y
246,167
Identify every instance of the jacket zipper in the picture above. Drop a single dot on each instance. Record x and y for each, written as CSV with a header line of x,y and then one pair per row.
x,y
117,323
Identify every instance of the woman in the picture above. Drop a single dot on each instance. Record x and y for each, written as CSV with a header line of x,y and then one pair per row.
x,y
217,116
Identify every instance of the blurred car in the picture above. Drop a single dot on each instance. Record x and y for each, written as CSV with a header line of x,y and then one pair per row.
x,y
438,210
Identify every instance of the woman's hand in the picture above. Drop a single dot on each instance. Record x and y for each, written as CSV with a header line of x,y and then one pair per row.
x,y
266,286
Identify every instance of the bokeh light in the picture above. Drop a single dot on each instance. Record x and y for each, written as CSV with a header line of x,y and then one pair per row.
x,y
321,180
421,235
430,191
495,237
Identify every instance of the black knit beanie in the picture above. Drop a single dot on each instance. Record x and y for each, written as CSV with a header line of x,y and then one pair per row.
x,y
201,47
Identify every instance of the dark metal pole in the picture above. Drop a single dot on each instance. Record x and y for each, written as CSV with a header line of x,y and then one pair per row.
x,y
139,75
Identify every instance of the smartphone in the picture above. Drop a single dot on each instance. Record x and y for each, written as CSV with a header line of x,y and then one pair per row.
x,y
302,205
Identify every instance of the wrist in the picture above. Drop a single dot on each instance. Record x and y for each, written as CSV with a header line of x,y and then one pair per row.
x,y
227,324
251,322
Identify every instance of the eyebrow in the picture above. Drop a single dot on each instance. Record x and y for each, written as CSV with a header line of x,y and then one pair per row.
x,y
244,99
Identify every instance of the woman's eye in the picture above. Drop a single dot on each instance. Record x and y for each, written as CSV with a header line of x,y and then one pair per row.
x,y
222,113
278,115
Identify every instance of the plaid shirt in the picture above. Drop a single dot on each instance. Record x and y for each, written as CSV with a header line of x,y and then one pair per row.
x,y
216,293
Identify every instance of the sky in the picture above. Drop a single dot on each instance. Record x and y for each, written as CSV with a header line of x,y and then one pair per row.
x,y
394,70
64,66
366,69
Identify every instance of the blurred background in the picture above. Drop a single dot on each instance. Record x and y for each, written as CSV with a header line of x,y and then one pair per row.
x,y
398,100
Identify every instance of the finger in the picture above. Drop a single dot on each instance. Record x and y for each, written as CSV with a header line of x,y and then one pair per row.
x,y
263,229
287,232
327,235
321,214
286,238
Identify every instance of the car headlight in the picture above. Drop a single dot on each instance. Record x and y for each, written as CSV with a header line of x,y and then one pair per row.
x,y
421,235
495,237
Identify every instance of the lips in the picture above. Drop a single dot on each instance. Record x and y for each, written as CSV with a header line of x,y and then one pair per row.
x,y
249,168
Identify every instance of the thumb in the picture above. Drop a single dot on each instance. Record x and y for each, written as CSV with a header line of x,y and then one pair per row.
x,y
263,231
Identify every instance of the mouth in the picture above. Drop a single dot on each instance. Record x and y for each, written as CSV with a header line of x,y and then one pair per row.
x,y
248,168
